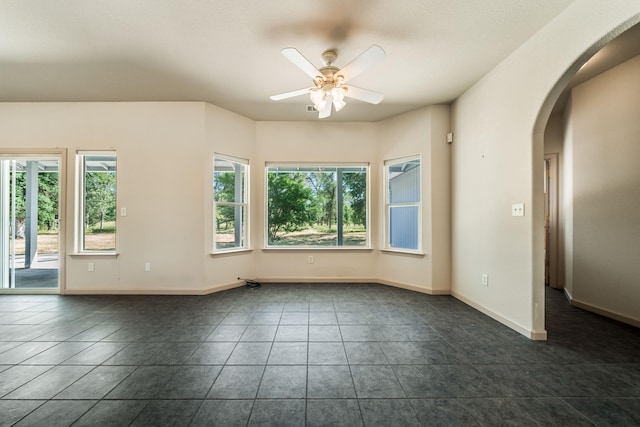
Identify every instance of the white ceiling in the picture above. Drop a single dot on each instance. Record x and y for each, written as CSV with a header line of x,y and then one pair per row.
x,y
227,52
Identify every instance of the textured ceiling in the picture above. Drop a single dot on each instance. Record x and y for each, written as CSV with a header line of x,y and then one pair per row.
x,y
227,52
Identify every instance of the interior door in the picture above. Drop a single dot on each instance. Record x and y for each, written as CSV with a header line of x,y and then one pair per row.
x,y
552,268
29,223
547,222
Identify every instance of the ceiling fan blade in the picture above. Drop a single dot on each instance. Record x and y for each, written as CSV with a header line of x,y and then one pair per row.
x,y
364,95
366,59
327,108
289,94
303,63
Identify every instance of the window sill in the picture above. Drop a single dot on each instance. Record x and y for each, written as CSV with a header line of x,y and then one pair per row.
x,y
95,254
231,252
409,252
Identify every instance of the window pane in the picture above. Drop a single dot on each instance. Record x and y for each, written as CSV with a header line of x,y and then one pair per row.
x,y
288,200
229,227
403,227
229,195
313,206
99,207
355,208
403,200
228,181
404,182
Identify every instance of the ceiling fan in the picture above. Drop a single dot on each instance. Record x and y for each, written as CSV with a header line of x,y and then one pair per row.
x,y
330,87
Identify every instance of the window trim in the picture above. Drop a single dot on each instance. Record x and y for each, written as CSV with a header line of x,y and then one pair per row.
x,y
267,247
79,238
246,246
386,246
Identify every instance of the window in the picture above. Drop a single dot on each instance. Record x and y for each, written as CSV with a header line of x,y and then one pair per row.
x,y
403,205
97,202
317,205
230,190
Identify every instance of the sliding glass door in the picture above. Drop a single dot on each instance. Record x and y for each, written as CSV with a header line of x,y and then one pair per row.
x,y
29,223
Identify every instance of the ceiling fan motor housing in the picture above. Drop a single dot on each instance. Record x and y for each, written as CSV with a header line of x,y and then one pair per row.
x,y
328,71
329,57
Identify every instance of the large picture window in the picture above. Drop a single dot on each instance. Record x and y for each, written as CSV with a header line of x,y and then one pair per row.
x,y
97,202
403,207
230,195
317,205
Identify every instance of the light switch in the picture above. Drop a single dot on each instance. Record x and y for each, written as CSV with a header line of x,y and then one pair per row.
x,y
123,211
517,209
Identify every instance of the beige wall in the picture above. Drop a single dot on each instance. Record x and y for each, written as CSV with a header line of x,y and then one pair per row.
x,y
566,205
165,163
497,161
605,136
313,142
371,143
165,187
422,132
230,134
554,134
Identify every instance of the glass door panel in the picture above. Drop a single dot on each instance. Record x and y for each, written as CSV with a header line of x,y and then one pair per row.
x,y
29,223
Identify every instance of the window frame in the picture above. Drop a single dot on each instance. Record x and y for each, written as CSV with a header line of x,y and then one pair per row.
x,y
307,165
80,196
388,205
245,234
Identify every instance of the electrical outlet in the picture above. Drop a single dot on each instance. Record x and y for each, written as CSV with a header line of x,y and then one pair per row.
x,y
90,266
517,209
485,280
310,259
147,266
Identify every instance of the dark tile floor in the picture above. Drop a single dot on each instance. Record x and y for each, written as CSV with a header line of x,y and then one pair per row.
x,y
307,354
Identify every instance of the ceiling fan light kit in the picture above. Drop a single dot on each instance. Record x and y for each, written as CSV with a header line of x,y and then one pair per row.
x,y
325,95
329,81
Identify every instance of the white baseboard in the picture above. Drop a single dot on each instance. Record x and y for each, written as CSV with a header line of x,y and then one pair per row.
x,y
232,285
316,280
567,294
31,291
538,335
224,287
534,334
207,291
113,291
606,313
414,287
353,280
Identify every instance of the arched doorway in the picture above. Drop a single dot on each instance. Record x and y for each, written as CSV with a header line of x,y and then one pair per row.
x,y
613,49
